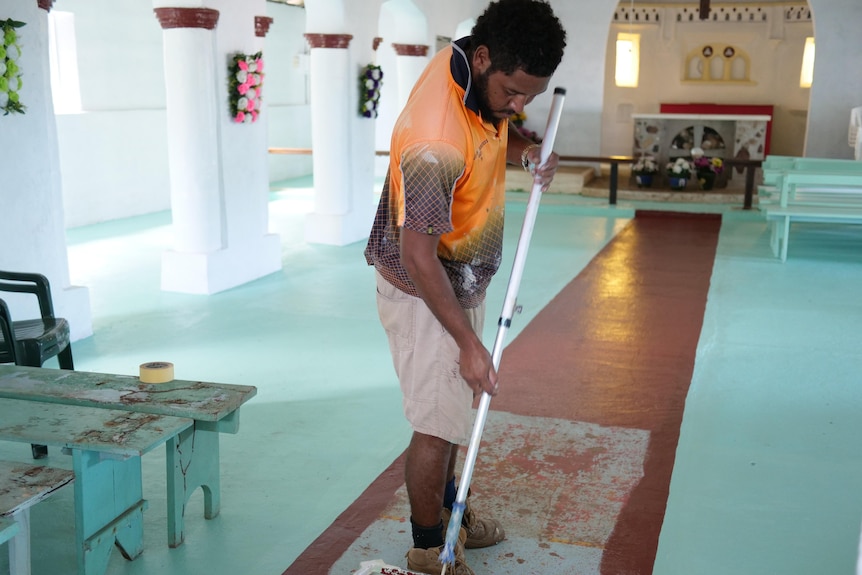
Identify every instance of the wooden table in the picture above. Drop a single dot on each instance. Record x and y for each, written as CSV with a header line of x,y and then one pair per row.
x,y
106,447
192,456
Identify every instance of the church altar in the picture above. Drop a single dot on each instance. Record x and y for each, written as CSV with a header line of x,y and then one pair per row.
x,y
722,130
669,136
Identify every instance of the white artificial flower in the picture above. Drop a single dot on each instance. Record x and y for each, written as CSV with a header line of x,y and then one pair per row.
x,y
257,79
242,103
370,84
241,76
4,99
13,52
2,67
257,104
252,66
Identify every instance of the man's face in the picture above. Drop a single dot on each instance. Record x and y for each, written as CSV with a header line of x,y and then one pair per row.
x,y
501,95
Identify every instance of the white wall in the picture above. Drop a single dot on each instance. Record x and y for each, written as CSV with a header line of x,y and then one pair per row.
x,y
837,86
286,91
775,49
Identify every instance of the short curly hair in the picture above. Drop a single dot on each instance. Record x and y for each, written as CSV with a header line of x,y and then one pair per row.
x,y
521,34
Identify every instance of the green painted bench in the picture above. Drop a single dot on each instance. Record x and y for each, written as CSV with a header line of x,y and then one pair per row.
x,y
8,529
192,456
801,162
811,181
22,486
106,447
822,190
780,219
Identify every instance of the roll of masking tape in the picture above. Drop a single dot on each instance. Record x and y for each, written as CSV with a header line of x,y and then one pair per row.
x,y
157,372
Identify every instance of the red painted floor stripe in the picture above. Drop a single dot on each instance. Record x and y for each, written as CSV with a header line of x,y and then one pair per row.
x,y
616,347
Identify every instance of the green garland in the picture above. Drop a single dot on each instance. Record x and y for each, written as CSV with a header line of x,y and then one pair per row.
x,y
10,73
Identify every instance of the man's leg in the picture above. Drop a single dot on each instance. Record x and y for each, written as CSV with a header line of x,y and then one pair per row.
x,y
426,468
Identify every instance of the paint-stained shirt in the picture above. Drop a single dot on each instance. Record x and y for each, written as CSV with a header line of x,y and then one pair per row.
x,y
446,177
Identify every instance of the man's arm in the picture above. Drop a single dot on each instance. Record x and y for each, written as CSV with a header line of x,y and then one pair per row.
x,y
419,256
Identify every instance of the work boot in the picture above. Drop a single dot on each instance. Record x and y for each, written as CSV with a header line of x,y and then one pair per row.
x,y
428,560
481,532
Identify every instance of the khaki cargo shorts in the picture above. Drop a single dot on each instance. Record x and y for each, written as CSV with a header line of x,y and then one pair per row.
x,y
437,400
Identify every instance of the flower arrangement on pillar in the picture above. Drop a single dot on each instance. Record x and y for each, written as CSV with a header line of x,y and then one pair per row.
x,y
245,79
370,81
10,73
644,170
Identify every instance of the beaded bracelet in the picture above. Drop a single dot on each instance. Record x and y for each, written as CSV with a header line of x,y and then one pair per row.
x,y
525,162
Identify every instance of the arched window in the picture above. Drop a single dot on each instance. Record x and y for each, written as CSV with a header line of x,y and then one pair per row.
x,y
717,63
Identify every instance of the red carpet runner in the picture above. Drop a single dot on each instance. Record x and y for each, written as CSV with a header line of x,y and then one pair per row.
x,y
616,348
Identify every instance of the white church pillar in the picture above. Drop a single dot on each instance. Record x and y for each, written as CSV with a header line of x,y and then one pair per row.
x,y
192,113
32,231
411,60
335,220
219,181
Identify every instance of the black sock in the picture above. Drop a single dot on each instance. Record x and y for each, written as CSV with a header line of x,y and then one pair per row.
x,y
450,494
427,537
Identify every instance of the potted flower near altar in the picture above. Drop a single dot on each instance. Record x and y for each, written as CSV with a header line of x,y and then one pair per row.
x,y
678,173
644,170
707,168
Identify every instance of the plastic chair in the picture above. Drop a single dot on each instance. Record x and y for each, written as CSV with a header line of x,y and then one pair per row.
x,y
31,342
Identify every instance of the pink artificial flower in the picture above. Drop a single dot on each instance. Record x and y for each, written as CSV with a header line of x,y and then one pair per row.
x,y
240,117
250,106
257,92
260,64
242,89
254,114
243,65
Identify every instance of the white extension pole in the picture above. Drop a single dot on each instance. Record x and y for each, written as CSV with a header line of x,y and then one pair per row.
x,y
447,556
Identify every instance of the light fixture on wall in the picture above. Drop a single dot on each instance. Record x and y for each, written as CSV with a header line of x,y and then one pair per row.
x,y
807,74
628,55
628,60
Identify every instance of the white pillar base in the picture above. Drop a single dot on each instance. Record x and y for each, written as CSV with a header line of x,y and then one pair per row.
x,y
212,272
338,230
73,304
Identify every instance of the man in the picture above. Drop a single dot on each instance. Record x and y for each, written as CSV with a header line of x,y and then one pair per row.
x,y
437,240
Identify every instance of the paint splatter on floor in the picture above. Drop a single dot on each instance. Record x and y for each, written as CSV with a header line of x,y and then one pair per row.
x,y
557,487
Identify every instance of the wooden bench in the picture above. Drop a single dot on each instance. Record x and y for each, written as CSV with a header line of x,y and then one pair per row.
x,y
192,455
22,486
824,190
812,181
106,447
781,217
8,529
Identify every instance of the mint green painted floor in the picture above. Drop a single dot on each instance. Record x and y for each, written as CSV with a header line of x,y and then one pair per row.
x,y
768,476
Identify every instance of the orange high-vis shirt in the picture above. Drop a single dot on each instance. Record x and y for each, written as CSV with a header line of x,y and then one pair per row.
x,y
446,177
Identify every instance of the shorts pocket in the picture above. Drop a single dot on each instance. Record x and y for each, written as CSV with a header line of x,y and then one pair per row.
x,y
397,312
